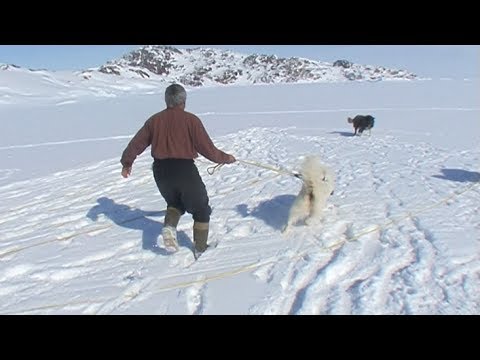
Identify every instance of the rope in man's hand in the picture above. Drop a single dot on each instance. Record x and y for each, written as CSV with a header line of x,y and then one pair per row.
x,y
212,169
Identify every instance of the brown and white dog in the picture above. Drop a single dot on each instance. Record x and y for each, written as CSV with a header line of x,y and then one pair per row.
x,y
318,183
361,123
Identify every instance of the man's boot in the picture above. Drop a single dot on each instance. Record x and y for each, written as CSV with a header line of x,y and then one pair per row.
x,y
200,237
169,231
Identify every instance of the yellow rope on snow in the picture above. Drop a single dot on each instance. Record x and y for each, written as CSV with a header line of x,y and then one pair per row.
x,y
409,214
17,249
211,169
268,167
332,247
255,265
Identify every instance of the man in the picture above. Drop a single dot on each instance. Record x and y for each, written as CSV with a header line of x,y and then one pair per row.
x,y
176,137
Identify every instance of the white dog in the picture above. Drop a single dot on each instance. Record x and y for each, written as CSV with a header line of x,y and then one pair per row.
x,y
318,185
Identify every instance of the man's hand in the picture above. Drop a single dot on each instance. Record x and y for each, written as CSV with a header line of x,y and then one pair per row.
x,y
231,159
126,172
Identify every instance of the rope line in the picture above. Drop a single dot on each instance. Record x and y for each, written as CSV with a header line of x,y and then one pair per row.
x,y
257,264
329,248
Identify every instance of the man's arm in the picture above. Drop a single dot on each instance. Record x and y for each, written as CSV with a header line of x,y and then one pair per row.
x,y
205,146
136,146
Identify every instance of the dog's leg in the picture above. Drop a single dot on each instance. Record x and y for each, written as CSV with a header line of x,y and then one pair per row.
x,y
292,220
298,211
311,209
315,212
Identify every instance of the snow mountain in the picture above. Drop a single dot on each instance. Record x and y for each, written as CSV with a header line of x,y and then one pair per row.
x,y
149,69
207,66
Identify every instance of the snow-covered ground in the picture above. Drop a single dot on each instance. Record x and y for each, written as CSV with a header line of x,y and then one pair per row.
x,y
400,235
